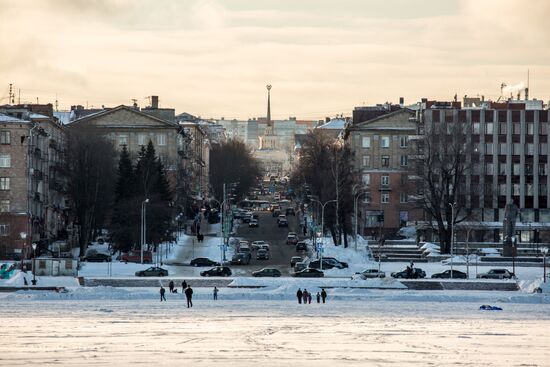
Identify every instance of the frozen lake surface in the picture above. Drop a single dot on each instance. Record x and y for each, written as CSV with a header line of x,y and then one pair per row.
x,y
381,332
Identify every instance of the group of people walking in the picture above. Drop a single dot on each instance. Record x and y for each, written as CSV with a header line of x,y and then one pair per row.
x,y
305,296
185,289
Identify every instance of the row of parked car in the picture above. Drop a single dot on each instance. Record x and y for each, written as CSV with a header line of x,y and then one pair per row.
x,y
417,273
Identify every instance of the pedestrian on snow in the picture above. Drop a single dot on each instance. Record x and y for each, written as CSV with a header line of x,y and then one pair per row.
x,y
183,286
189,296
408,271
171,286
215,294
319,298
309,297
162,291
323,294
412,264
305,295
299,295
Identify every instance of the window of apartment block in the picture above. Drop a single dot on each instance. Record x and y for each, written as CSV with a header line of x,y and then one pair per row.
x,y
4,183
502,168
489,128
5,160
4,206
516,190
542,189
385,161
403,160
403,141
366,179
530,190
502,148
4,229
488,148
517,128
502,128
365,142
5,137
385,180
366,197
123,140
366,161
142,139
402,197
475,128
530,149
385,142
489,169
544,128
515,168
161,139
502,189
516,149
530,129
543,169
385,198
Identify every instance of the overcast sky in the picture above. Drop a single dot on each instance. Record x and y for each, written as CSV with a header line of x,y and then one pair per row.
x,y
213,58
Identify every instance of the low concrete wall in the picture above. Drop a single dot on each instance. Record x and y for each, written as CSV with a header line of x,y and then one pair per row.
x,y
461,285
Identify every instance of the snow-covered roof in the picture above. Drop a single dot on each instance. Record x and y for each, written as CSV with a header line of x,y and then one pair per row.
x,y
34,115
8,118
63,116
334,124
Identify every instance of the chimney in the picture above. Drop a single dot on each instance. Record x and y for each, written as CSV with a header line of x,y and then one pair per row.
x,y
401,101
154,102
527,93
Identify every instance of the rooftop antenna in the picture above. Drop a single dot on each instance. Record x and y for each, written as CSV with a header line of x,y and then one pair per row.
x,y
527,88
11,96
502,86
56,104
134,102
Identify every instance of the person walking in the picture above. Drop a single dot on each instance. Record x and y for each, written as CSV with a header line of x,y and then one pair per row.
x,y
215,294
171,286
304,296
309,297
323,294
162,291
319,298
299,295
189,296
183,286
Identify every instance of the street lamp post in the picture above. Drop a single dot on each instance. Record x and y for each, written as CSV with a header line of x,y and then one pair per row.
x,y
322,227
222,246
356,195
33,263
143,226
544,251
452,234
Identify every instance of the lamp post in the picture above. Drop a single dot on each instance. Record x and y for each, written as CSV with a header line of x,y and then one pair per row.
x,y
33,263
544,251
222,246
23,236
143,226
322,227
355,199
452,234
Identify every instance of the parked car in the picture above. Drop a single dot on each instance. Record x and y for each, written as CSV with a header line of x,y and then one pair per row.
x,y
262,254
294,260
309,273
283,223
135,257
218,271
203,261
290,211
240,258
369,273
497,274
301,246
416,274
447,275
97,258
153,271
266,272
301,265
328,263
253,223
291,239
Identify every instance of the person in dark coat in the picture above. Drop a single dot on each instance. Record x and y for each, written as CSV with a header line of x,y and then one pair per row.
x,y
171,286
162,291
323,295
215,294
183,286
305,294
309,297
189,296
318,297
299,295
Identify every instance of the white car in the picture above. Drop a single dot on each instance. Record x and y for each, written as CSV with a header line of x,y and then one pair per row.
x,y
369,273
256,244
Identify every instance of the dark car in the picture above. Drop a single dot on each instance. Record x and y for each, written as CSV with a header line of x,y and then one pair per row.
x,y
447,275
416,274
301,246
294,260
309,273
218,271
291,239
240,259
153,271
262,254
97,258
290,211
203,261
253,223
328,263
283,223
266,272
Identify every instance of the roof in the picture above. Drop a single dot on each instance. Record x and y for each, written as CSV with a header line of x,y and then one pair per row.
x,y
334,124
33,115
63,116
104,113
366,124
8,118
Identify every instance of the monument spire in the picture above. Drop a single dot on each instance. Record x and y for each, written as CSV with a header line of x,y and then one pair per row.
x,y
269,105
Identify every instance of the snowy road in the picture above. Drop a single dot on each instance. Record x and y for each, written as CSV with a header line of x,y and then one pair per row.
x,y
381,332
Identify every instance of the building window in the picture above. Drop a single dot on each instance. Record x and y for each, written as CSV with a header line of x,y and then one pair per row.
x,y
5,137
385,142
141,139
365,142
489,169
385,180
123,140
542,169
530,149
366,179
502,128
4,206
488,148
161,139
403,160
366,161
543,128
502,168
5,160
385,198
4,183
402,197
366,197
475,128
4,229
530,129
403,141
489,128
385,161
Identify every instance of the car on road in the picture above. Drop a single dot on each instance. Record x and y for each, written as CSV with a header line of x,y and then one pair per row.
x,y
280,217
301,246
328,263
153,271
203,261
309,273
277,197
369,273
240,258
294,260
246,218
291,239
97,257
253,223
262,254
135,257
447,275
256,244
497,274
218,271
290,211
416,274
282,223
267,272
